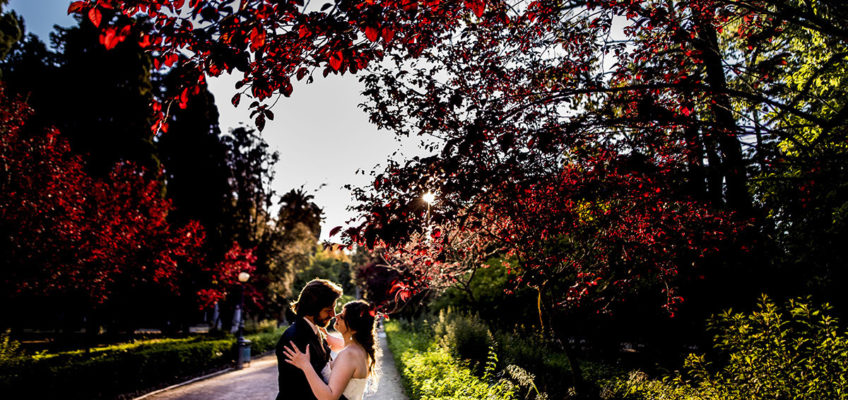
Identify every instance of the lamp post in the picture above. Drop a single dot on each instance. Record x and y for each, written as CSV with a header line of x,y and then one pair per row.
x,y
242,344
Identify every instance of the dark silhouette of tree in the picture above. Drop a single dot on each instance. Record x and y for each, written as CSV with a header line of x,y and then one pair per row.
x,y
297,207
194,160
11,31
114,122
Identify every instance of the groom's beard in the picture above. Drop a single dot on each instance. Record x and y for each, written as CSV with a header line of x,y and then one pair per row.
x,y
321,323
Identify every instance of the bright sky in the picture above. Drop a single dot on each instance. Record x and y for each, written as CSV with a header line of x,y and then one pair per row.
x,y
322,137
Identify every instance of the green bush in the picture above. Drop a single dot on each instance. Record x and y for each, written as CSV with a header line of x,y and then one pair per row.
x,y
265,325
429,371
121,369
796,353
464,335
531,351
485,295
9,349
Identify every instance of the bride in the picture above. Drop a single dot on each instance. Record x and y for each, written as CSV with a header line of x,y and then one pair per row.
x,y
349,371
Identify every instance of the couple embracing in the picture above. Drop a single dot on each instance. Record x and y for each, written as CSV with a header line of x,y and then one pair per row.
x,y
304,351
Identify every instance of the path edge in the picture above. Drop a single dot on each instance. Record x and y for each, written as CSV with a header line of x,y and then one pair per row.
x,y
193,380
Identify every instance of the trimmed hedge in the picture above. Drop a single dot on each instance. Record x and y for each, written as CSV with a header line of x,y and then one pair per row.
x,y
429,371
112,373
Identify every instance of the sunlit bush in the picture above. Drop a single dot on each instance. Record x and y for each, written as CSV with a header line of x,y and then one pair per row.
x,y
798,353
429,371
464,335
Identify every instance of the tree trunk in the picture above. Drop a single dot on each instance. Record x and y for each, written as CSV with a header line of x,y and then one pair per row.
x,y
581,388
697,182
725,129
560,337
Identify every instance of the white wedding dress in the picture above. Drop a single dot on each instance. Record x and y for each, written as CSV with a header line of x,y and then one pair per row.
x,y
355,388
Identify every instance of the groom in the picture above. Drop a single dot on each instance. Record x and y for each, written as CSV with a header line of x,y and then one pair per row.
x,y
315,307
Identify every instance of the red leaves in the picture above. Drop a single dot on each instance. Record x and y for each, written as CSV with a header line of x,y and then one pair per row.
x,y
236,99
171,59
76,7
223,276
372,33
400,290
301,72
336,60
477,6
95,16
303,31
257,39
111,37
335,231
144,42
76,235
286,88
289,37
388,34
184,99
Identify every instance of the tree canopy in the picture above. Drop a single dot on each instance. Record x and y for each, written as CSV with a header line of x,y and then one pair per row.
x,y
610,147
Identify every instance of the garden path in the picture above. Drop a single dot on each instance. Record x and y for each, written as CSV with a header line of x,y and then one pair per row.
x,y
259,382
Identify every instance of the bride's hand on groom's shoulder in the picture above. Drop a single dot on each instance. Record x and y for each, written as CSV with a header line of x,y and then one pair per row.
x,y
297,358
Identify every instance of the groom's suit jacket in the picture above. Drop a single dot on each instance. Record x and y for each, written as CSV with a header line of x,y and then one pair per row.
x,y
293,383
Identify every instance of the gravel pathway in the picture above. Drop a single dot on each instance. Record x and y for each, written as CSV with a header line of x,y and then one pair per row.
x,y
259,382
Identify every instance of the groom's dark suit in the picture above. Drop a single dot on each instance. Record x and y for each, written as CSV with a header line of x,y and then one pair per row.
x,y
293,383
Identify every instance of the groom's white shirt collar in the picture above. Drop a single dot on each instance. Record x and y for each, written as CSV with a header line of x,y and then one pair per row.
x,y
312,325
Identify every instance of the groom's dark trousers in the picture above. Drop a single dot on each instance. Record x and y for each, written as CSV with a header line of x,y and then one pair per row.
x,y
293,383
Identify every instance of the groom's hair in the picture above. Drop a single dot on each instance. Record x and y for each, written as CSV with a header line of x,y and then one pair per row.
x,y
317,295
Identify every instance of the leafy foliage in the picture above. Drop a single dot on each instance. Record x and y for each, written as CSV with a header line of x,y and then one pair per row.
x,y
796,352
10,31
429,371
464,336
10,349
328,263
69,234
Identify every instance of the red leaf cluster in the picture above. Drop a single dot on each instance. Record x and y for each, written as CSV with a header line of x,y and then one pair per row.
x,y
68,234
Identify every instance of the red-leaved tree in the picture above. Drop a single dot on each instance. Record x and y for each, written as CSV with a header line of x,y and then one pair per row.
x,y
606,145
97,244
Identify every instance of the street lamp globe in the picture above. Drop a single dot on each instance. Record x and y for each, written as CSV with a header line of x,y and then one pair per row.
x,y
429,198
243,277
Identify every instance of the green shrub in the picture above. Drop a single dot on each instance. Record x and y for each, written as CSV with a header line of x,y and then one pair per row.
x,y
796,353
464,335
429,371
10,350
121,369
265,325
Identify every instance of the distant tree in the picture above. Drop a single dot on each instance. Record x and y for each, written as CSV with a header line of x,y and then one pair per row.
x,y
251,165
331,263
297,207
292,240
194,159
11,31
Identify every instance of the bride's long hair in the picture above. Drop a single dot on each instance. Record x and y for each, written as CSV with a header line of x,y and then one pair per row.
x,y
360,317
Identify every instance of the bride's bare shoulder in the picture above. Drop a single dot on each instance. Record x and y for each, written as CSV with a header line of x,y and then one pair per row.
x,y
354,352
354,355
